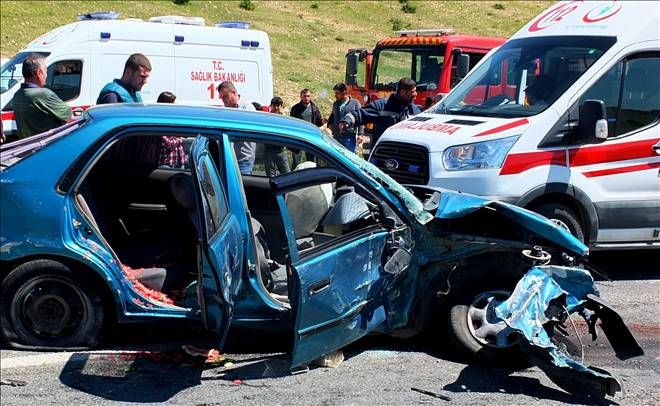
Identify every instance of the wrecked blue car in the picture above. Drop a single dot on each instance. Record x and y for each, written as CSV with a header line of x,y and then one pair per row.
x,y
138,213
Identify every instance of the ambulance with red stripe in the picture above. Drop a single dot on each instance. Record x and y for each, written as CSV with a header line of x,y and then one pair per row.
x,y
188,58
562,119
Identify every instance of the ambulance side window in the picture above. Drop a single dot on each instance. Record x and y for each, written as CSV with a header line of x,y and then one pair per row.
x,y
64,78
630,93
640,100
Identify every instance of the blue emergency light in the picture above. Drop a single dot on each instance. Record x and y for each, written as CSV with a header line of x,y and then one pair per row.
x,y
99,15
233,24
105,35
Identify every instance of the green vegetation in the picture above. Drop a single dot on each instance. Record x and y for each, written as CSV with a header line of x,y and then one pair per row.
x,y
307,51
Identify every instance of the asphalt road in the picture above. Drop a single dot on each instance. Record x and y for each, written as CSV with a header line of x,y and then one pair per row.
x,y
145,365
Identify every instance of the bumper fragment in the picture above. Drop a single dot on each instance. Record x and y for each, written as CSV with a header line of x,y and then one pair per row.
x,y
546,296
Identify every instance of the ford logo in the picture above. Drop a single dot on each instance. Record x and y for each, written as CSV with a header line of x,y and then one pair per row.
x,y
391,164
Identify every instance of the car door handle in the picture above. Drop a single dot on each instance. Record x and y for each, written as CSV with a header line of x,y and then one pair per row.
x,y
656,148
318,287
78,111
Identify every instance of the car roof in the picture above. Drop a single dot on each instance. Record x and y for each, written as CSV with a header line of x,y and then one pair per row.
x,y
226,118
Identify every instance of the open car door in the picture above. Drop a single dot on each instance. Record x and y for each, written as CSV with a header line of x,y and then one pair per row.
x,y
220,241
342,276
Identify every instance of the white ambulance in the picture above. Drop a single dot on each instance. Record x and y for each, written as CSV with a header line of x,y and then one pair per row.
x,y
562,119
187,57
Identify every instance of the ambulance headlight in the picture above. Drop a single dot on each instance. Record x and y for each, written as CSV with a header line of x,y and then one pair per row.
x,y
480,155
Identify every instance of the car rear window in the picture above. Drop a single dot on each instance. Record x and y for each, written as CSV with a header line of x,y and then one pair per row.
x,y
14,152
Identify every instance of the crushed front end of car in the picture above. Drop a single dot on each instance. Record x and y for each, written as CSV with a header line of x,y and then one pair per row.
x,y
511,280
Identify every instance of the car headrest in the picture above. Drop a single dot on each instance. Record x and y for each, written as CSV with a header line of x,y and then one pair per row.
x,y
183,190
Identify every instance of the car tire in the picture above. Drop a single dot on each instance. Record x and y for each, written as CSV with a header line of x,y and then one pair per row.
x,y
48,306
564,217
473,332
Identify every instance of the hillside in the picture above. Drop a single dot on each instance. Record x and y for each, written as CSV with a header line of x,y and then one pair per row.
x,y
308,38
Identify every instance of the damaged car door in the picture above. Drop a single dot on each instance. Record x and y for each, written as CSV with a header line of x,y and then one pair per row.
x,y
220,248
341,240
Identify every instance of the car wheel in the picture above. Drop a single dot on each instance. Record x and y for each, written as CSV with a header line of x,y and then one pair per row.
x,y
475,331
563,217
46,306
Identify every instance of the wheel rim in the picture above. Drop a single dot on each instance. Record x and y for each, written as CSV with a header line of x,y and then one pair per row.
x,y
48,308
561,224
485,326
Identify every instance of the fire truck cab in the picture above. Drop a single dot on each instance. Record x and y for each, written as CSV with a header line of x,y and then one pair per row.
x,y
436,59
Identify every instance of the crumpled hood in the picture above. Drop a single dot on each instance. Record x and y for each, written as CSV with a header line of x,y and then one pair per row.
x,y
439,131
455,204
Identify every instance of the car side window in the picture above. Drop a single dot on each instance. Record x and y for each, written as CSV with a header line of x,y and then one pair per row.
x,y
64,78
324,212
277,159
630,94
214,201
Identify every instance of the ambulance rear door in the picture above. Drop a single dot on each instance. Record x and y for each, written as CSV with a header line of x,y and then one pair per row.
x,y
114,42
207,56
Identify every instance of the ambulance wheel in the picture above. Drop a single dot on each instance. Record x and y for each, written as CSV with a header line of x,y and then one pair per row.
x,y
564,217
46,306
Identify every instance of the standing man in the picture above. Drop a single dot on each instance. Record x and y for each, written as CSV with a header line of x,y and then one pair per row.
x,y
306,110
245,151
36,108
275,157
343,105
127,89
384,113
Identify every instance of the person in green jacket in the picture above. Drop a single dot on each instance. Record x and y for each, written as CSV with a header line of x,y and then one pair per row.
x,y
37,109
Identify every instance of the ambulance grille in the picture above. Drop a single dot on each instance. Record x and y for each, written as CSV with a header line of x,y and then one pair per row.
x,y
405,163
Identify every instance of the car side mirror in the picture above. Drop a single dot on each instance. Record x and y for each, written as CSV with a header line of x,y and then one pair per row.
x,y
351,68
463,66
592,125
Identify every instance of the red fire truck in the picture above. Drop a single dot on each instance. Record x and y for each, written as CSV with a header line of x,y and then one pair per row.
x,y
436,59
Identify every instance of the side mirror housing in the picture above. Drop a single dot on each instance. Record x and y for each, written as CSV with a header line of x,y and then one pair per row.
x,y
592,125
463,66
351,67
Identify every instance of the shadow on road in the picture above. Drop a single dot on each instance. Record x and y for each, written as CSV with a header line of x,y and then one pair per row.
x,y
481,379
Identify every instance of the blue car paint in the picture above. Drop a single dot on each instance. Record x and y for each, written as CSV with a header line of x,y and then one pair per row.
x,y
525,309
454,205
37,220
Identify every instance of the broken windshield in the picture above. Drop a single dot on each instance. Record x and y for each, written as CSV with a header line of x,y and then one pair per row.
x,y
423,65
525,76
414,206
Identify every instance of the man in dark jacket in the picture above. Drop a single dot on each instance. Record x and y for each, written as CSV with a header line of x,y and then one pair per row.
x,y
343,105
384,113
308,111
127,89
36,108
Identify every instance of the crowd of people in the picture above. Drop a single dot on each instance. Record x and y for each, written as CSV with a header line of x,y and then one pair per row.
x,y
38,109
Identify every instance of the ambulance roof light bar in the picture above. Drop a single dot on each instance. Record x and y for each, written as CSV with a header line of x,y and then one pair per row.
x,y
434,31
98,15
178,20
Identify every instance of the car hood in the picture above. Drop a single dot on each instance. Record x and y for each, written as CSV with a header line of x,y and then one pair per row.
x,y
451,205
436,132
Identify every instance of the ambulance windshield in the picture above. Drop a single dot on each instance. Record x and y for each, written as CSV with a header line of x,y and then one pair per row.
x,y
525,76
423,65
11,71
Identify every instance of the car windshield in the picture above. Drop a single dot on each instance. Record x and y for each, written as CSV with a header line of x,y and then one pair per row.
x,y
423,65
11,73
13,152
412,204
525,76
